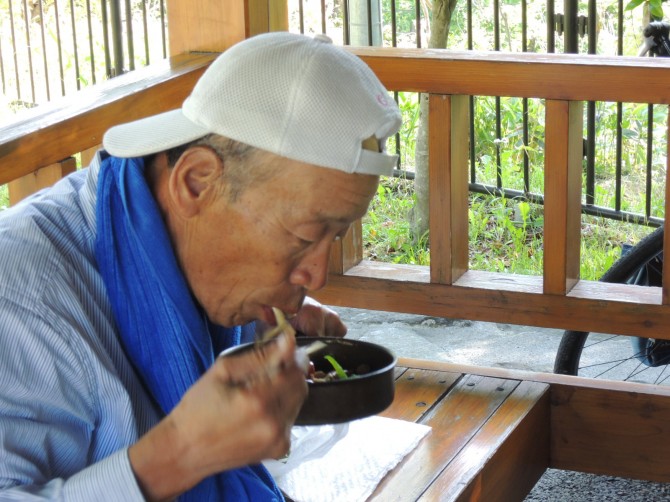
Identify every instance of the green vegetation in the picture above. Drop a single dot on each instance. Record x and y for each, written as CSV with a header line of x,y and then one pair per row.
x,y
4,197
504,234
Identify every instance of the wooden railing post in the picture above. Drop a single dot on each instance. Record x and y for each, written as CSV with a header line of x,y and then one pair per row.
x,y
562,198
347,252
215,25
45,177
88,155
448,132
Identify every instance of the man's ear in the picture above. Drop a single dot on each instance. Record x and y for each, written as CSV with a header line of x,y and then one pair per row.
x,y
192,179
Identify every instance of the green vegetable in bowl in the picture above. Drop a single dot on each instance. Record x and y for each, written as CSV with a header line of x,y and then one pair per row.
x,y
337,373
341,374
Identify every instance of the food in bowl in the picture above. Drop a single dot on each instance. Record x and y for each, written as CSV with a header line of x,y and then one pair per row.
x,y
338,400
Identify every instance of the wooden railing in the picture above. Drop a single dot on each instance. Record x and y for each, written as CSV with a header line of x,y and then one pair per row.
x,y
42,141
447,288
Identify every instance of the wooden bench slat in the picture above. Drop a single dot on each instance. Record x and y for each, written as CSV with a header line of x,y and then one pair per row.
x,y
455,420
416,391
506,458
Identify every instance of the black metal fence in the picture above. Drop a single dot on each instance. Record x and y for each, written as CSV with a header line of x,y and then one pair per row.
x,y
619,138
49,48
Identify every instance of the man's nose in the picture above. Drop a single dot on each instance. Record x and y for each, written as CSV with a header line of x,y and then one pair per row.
x,y
312,271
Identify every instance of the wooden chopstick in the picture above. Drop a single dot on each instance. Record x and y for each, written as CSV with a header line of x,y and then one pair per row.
x,y
283,326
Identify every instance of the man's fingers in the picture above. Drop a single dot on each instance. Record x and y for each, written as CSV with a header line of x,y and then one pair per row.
x,y
258,363
335,326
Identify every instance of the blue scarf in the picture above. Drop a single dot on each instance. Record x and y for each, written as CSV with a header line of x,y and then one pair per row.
x,y
164,333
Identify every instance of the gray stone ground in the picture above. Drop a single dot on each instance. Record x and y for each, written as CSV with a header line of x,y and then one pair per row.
x,y
496,345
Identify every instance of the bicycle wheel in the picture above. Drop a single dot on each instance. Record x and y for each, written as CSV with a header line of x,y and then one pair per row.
x,y
642,264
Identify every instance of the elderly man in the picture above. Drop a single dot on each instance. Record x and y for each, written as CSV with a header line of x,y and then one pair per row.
x,y
121,283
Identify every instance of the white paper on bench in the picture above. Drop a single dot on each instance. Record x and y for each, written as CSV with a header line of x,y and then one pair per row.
x,y
344,462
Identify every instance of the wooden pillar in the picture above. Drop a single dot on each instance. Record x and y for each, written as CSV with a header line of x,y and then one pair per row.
x,y
215,25
266,15
448,193
45,177
88,154
347,252
562,198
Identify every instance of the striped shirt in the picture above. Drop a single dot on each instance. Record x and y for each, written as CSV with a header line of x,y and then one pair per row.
x,y
70,402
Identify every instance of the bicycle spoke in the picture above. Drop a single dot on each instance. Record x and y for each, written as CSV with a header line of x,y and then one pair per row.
x,y
598,342
641,265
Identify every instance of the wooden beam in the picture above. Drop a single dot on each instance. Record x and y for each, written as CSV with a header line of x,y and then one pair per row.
x,y
666,223
448,133
88,155
524,75
604,308
215,25
604,431
347,252
562,201
27,185
51,132
267,15
205,25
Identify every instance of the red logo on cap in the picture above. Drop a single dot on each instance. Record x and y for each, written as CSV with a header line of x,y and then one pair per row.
x,y
382,100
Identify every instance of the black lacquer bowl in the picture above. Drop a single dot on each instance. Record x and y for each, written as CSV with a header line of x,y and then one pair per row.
x,y
367,393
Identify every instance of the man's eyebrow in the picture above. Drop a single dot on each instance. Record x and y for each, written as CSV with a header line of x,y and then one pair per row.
x,y
342,220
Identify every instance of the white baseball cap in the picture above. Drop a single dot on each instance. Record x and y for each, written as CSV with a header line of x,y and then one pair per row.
x,y
296,96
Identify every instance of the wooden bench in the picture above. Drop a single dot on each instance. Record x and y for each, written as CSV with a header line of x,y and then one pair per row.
x,y
495,432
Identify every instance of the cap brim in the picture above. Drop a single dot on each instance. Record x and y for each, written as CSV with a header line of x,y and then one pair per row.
x,y
151,135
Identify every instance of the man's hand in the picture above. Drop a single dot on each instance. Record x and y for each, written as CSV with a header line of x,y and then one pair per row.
x,y
240,412
314,319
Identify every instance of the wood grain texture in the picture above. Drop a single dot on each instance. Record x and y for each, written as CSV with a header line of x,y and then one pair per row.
x,y
612,432
569,77
506,457
207,25
24,186
455,420
416,391
604,427
562,195
495,431
347,252
448,189
621,313
55,131
642,389
666,223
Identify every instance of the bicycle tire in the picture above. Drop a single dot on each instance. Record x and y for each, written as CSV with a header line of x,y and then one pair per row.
x,y
572,343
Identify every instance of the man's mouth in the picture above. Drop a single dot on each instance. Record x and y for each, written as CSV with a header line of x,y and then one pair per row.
x,y
269,316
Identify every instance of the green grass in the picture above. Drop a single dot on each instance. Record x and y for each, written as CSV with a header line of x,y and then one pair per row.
x,y
505,235
4,197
